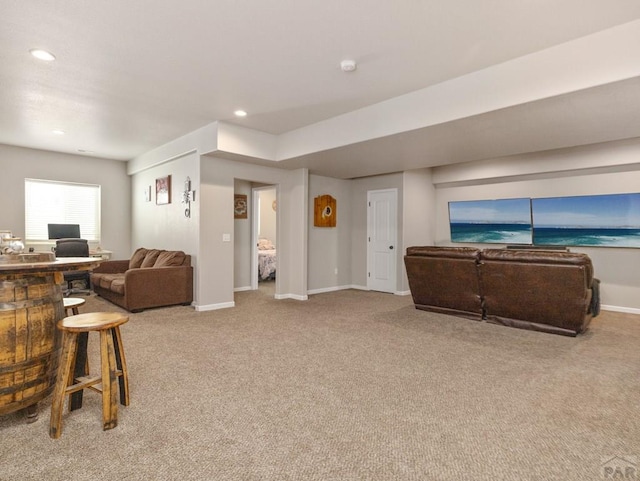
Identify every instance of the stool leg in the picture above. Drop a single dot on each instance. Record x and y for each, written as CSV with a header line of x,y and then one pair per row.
x,y
109,378
121,363
62,379
79,369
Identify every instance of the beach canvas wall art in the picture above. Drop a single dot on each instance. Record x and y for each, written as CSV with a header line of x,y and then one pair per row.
x,y
500,221
592,220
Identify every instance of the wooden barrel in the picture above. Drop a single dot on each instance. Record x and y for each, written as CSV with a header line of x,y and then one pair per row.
x,y
30,305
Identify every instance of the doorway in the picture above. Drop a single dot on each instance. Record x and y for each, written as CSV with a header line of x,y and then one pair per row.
x,y
264,235
382,234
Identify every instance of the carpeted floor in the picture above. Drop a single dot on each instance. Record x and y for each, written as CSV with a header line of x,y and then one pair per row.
x,y
349,385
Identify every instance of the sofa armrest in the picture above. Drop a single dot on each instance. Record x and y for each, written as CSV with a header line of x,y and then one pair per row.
x,y
158,286
112,267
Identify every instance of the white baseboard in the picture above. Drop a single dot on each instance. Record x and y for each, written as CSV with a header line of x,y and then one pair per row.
x,y
327,289
628,310
240,289
292,296
213,307
352,286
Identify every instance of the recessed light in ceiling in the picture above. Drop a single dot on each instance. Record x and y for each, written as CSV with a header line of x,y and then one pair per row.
x,y
57,132
240,113
348,65
42,54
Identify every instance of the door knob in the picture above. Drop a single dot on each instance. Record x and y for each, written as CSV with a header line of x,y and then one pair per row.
x,y
391,247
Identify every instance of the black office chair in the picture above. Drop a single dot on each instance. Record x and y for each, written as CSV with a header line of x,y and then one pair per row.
x,y
74,248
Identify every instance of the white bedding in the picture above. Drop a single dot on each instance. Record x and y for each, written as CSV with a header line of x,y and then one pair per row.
x,y
266,263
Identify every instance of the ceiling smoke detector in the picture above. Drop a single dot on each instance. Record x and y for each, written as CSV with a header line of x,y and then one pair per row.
x,y
348,65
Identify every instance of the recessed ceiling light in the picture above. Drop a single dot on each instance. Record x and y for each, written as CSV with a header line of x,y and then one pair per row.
x,y
57,132
42,54
348,65
240,113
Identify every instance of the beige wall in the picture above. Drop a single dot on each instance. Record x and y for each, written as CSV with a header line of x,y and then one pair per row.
x,y
242,239
17,163
268,216
330,247
418,215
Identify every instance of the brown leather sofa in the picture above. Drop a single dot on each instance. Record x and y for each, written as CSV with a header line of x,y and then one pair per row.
x,y
151,278
547,291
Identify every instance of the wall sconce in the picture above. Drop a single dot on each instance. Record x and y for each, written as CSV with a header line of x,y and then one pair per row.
x,y
188,196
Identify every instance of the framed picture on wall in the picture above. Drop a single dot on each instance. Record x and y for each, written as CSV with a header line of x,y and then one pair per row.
x,y
239,206
163,190
502,221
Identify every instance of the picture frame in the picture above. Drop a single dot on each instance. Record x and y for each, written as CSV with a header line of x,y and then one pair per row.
x,y
163,190
240,206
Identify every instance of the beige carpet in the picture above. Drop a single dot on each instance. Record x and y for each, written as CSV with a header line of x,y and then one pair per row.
x,y
349,385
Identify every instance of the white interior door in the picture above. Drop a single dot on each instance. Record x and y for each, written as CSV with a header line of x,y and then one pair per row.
x,y
382,233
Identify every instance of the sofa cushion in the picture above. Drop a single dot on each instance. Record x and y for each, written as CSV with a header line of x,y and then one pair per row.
x,y
150,258
170,258
137,258
105,280
118,286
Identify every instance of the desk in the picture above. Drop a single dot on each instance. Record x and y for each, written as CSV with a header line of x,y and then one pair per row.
x,y
100,253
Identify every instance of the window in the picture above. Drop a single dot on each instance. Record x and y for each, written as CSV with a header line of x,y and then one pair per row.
x,y
51,202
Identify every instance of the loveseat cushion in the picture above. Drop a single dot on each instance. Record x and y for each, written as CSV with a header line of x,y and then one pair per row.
x,y
150,258
170,258
137,258
117,285
104,280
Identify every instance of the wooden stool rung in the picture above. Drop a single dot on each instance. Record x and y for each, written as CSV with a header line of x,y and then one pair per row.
x,y
83,382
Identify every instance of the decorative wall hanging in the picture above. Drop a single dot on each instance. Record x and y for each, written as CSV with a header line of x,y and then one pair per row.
x,y
502,221
587,220
163,190
324,211
239,206
188,196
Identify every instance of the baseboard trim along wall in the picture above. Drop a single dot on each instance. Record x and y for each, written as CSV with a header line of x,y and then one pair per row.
x,y
327,289
628,310
292,296
240,289
213,307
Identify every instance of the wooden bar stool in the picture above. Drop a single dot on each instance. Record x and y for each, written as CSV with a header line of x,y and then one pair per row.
x,y
72,303
72,376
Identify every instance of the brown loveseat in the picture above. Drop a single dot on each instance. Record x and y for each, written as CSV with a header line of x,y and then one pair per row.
x,y
151,278
546,291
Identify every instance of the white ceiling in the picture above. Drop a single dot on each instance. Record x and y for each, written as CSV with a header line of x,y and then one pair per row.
x,y
131,76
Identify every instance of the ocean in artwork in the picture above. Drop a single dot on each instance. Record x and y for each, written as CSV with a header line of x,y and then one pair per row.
x,y
591,236
498,233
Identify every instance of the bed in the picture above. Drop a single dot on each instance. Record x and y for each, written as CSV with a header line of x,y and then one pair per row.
x,y
266,260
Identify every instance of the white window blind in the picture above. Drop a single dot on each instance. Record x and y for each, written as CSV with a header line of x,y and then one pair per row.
x,y
52,202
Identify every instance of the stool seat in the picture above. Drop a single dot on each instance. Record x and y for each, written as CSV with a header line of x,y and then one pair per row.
x,y
72,303
73,373
92,321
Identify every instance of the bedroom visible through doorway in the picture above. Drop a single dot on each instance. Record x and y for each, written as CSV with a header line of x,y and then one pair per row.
x,y
265,237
